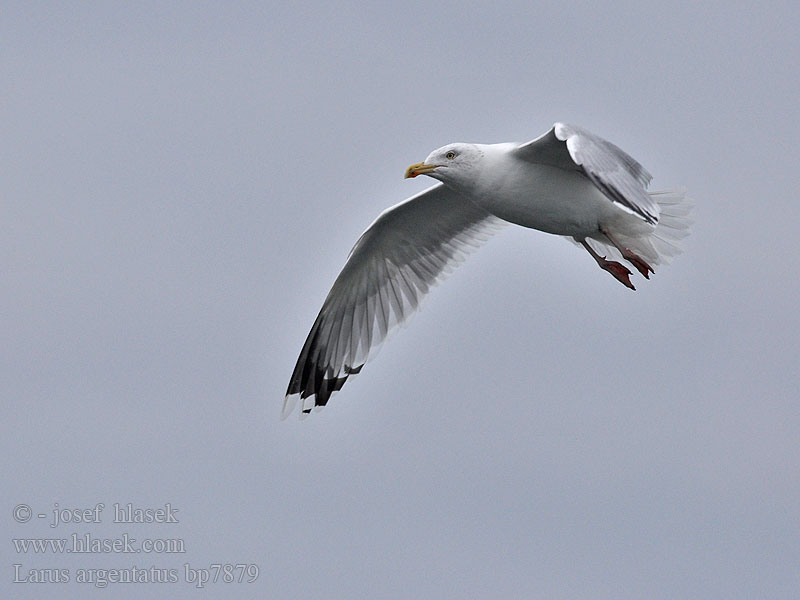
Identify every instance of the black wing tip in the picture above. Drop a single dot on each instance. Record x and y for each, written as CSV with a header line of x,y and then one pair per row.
x,y
319,389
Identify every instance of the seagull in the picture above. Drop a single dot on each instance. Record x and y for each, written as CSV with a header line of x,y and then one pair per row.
x,y
567,182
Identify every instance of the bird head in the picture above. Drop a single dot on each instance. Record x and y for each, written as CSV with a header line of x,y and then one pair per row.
x,y
455,164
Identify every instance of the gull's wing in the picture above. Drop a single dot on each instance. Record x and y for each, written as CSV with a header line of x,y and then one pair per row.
x,y
623,180
408,248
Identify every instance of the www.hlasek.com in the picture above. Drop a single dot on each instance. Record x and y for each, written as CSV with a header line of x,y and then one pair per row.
x,y
200,577
88,544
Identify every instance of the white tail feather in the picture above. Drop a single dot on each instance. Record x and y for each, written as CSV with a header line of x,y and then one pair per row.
x,y
673,224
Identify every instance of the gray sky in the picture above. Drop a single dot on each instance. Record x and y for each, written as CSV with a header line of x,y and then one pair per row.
x,y
179,187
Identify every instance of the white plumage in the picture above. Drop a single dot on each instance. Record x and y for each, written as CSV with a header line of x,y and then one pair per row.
x,y
567,182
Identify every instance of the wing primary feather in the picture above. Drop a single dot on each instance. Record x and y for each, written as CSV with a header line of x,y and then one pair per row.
x,y
391,267
396,298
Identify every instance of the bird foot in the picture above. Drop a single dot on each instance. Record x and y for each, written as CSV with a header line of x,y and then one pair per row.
x,y
620,271
638,262
633,258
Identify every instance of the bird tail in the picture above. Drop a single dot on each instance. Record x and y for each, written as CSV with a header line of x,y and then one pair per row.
x,y
658,245
673,224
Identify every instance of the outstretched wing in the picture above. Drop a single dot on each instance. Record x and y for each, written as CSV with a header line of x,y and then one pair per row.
x,y
408,248
623,180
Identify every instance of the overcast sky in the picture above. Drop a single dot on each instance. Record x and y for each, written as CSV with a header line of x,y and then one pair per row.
x,y
180,185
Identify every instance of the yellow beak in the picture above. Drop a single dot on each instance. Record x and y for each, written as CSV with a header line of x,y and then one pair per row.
x,y
419,169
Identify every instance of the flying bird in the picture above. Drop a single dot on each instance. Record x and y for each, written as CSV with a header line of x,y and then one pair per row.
x,y
567,182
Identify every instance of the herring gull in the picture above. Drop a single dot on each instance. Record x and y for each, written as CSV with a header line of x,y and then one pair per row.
x,y
567,182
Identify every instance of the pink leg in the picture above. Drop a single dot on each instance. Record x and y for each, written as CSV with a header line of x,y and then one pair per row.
x,y
621,272
636,260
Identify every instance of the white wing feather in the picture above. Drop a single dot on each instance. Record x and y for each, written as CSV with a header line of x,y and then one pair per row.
x,y
408,248
621,178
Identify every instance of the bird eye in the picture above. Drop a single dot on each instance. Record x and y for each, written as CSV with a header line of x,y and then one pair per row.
x,y
450,155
